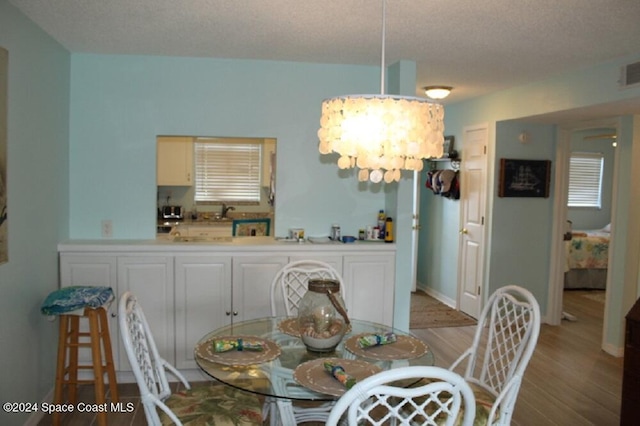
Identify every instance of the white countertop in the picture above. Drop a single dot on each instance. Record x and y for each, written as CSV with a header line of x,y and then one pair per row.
x,y
262,244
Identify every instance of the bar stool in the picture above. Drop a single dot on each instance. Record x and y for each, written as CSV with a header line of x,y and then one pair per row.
x,y
70,304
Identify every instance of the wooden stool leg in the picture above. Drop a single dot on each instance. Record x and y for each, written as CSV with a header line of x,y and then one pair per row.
x,y
108,354
72,343
60,365
96,355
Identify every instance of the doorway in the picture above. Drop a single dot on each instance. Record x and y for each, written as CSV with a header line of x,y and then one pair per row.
x,y
585,137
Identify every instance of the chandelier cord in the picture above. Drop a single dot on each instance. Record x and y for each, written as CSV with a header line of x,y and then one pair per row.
x,y
382,67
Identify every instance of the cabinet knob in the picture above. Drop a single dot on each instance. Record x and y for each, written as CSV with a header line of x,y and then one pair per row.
x,y
228,313
113,315
235,313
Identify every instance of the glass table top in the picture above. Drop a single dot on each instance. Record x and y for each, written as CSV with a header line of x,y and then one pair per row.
x,y
273,372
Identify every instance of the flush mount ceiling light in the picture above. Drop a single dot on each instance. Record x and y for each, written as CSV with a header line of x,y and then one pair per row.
x,y
437,92
381,134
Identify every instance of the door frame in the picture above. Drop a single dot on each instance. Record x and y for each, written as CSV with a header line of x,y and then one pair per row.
x,y
561,194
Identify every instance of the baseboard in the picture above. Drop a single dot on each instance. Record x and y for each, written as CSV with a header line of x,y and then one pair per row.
x,y
613,350
440,297
35,417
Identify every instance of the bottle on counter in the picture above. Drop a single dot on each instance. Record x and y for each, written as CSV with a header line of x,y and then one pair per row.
x,y
335,232
381,223
388,230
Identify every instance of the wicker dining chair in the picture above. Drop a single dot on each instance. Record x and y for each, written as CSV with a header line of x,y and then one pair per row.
x,y
505,338
441,397
291,282
208,404
287,289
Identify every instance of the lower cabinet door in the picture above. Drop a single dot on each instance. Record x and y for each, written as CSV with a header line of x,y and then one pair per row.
x,y
94,271
203,301
370,286
252,277
150,279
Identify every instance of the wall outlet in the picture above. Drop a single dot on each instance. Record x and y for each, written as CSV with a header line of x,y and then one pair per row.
x,y
107,229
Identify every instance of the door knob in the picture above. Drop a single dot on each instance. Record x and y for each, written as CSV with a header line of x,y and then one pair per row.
x,y
464,231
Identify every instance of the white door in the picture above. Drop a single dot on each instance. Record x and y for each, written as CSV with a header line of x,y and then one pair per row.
x,y
472,205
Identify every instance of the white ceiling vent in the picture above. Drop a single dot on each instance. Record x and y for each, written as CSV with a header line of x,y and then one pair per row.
x,y
630,75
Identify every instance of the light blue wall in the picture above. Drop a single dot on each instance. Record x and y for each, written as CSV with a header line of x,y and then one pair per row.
x,y
520,233
592,218
119,104
438,242
38,196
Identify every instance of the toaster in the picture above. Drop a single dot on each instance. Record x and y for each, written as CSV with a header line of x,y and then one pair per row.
x,y
172,212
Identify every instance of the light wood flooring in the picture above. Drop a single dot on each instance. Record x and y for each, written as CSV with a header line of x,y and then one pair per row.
x,y
569,381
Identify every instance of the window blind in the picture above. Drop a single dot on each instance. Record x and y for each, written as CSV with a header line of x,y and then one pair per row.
x,y
585,179
228,171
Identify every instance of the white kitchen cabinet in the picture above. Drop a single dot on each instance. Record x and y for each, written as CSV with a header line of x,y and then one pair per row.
x,y
370,286
150,279
203,301
252,277
174,161
186,293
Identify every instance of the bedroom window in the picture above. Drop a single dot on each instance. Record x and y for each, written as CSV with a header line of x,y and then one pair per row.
x,y
585,179
227,171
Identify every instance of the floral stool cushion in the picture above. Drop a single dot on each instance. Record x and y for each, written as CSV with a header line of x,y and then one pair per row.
x,y
72,300
214,405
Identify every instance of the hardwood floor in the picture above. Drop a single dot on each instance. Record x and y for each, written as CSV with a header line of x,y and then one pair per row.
x,y
569,381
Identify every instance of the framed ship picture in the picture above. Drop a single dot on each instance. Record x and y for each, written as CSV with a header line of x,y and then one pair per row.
x,y
524,178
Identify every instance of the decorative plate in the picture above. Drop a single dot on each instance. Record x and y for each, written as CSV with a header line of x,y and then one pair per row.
x,y
290,326
406,347
312,374
270,351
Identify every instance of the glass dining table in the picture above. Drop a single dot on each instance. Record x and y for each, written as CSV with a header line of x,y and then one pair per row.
x,y
285,369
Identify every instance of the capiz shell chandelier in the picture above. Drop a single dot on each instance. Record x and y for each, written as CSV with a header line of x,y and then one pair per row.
x,y
381,134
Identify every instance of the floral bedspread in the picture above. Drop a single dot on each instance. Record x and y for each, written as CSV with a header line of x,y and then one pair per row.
x,y
588,250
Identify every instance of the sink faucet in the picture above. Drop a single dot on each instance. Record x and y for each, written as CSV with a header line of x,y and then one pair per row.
x,y
225,210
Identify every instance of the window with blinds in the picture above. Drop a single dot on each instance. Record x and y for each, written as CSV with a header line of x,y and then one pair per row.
x,y
585,179
228,171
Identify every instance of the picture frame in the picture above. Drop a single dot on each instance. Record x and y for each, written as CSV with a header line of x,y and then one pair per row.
x,y
524,178
251,227
447,147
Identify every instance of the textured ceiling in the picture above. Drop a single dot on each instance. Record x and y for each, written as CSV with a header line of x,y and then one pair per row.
x,y
476,46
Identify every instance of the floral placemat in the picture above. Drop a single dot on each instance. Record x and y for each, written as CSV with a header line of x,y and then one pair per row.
x,y
405,347
312,374
270,351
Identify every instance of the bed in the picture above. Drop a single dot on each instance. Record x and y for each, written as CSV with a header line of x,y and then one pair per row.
x,y
587,259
